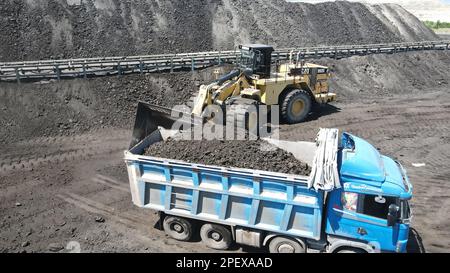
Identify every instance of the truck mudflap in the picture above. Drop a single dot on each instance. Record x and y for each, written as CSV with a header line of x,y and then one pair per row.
x,y
401,246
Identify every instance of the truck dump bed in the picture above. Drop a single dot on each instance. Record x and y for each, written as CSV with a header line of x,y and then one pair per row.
x,y
270,201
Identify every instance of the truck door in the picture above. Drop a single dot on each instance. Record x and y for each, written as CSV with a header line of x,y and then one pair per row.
x,y
363,217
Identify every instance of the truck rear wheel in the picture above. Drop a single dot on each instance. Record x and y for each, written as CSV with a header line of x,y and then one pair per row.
x,y
281,244
178,228
216,236
295,106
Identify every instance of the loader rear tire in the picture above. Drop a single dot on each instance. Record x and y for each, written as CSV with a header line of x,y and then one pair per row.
x,y
178,228
216,236
295,106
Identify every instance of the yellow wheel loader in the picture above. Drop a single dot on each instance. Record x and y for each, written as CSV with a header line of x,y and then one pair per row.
x,y
295,86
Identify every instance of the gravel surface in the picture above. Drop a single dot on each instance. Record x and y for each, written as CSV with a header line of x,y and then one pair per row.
x,y
250,154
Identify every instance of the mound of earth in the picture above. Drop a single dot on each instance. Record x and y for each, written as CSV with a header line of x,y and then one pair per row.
x,y
72,106
386,75
249,154
43,29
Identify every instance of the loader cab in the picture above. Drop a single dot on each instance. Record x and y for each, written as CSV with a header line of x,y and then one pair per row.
x,y
256,58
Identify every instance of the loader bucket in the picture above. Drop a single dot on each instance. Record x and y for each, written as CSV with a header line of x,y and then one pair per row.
x,y
149,117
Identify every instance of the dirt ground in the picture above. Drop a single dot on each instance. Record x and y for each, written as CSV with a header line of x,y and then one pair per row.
x,y
71,193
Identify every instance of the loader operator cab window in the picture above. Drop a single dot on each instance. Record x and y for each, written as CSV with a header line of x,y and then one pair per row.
x,y
247,60
254,61
257,59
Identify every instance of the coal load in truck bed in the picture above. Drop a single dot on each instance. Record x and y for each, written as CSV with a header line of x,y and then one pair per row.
x,y
250,154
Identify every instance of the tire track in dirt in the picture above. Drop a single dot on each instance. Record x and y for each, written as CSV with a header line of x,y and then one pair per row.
x,y
94,202
111,183
57,150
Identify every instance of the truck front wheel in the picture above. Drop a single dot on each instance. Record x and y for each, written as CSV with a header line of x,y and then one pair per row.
x,y
178,228
281,244
216,236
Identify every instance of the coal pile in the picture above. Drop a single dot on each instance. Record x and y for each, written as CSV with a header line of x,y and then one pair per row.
x,y
74,106
32,30
250,154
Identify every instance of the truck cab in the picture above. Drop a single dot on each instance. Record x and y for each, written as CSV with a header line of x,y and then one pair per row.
x,y
371,210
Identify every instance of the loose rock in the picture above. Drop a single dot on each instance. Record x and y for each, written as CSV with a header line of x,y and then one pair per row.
x,y
99,219
55,247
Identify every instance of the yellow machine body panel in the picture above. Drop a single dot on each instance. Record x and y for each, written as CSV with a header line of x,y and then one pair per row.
x,y
272,88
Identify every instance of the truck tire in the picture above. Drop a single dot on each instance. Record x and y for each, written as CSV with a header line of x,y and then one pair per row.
x,y
178,228
295,106
216,236
282,244
350,250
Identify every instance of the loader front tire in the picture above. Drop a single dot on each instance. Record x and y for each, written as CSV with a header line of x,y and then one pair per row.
x,y
178,228
295,106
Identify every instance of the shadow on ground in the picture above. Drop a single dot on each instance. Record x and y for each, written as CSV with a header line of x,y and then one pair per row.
x,y
322,111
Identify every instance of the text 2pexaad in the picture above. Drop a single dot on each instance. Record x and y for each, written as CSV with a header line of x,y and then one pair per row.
x,y
205,264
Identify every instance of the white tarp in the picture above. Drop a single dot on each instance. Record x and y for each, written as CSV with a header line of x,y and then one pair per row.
x,y
324,174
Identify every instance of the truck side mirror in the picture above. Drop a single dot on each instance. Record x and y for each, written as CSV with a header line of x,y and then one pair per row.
x,y
392,216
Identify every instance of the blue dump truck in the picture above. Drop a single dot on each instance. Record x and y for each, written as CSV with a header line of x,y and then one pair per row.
x,y
355,200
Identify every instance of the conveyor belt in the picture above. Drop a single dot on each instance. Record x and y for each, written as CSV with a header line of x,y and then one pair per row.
x,y
91,67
